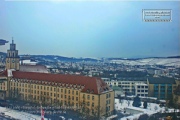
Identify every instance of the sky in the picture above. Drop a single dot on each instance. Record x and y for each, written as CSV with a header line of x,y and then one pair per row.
x,y
89,28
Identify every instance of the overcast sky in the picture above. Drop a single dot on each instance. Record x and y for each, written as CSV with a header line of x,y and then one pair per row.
x,y
89,29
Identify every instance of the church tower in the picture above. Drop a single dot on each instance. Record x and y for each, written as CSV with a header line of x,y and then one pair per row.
x,y
12,58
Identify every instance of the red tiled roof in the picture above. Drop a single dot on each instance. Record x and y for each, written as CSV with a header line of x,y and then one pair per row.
x,y
3,74
91,83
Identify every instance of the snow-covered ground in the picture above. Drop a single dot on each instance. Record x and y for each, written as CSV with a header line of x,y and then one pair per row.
x,y
19,115
151,108
150,61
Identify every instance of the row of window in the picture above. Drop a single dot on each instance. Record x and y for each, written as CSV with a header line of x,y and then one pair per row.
x,y
145,95
142,91
142,87
38,92
58,90
88,97
108,95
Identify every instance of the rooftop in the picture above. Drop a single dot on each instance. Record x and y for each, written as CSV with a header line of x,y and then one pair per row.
x,y
33,68
91,84
132,78
161,80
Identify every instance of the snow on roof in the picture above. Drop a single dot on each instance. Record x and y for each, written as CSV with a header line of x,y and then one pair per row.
x,y
140,83
29,62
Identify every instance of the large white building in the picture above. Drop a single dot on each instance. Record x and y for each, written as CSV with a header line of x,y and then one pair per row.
x,y
126,83
141,89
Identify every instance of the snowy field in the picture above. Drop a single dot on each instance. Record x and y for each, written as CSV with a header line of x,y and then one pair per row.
x,y
150,61
19,115
151,108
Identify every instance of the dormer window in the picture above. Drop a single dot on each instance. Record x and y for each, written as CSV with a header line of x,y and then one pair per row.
x,y
88,90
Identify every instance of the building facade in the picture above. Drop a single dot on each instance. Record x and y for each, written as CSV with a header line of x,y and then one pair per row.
x,y
161,87
176,94
90,95
126,83
141,89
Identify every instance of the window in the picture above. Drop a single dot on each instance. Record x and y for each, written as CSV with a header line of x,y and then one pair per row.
x,y
88,97
47,88
76,98
72,97
76,92
54,89
106,102
92,104
84,96
61,90
106,96
73,92
88,104
69,91
69,97
92,111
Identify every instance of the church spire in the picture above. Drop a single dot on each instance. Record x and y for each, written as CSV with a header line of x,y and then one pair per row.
x,y
12,41
12,58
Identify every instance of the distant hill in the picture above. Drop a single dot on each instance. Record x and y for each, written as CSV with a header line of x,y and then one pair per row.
x,y
174,57
164,61
59,58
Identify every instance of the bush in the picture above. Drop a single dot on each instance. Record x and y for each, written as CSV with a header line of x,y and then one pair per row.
x,y
137,102
143,117
145,104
